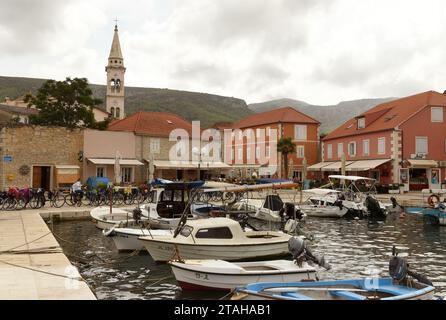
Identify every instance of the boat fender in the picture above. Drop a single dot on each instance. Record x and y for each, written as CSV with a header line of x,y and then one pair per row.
x,y
108,232
433,200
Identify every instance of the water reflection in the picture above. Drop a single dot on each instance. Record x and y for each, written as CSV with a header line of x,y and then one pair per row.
x,y
353,249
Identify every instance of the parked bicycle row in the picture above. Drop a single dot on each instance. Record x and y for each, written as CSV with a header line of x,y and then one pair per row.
x,y
19,199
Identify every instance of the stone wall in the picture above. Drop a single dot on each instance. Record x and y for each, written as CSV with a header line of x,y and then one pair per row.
x,y
30,146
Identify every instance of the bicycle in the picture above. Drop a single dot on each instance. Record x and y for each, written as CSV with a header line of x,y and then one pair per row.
x,y
56,198
75,198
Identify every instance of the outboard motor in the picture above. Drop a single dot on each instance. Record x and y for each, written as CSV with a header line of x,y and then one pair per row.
x,y
302,252
374,208
399,270
291,211
137,213
394,202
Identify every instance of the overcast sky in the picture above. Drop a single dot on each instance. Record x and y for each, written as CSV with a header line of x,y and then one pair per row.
x,y
318,51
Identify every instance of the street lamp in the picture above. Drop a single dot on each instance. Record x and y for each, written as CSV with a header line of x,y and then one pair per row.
x,y
197,152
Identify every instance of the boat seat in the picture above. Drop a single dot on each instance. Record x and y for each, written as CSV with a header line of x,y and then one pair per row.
x,y
297,296
395,290
348,295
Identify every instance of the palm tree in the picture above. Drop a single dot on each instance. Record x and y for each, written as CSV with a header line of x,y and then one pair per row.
x,y
286,146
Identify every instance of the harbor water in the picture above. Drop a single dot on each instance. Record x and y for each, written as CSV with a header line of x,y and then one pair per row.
x,y
353,249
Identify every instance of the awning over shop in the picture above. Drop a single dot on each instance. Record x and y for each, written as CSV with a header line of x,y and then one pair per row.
x,y
336,166
67,174
165,164
245,166
365,165
122,162
319,166
418,163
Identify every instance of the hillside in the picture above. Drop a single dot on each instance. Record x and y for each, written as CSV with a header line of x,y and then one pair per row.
x,y
330,116
207,108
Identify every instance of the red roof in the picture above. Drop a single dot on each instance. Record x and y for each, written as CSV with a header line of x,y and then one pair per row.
x,y
157,124
389,115
283,115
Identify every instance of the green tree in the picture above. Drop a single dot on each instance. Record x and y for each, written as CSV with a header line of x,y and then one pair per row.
x,y
286,146
66,103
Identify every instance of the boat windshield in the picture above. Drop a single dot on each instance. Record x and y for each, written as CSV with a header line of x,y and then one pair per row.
x,y
186,231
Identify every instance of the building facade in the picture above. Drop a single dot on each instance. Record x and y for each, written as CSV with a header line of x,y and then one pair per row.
x,y
288,123
40,157
399,142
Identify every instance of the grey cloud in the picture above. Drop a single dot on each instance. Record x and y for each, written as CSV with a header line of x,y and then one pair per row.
x,y
26,25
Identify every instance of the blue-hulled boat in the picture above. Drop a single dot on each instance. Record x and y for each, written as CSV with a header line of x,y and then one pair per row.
x,y
356,289
437,214
403,284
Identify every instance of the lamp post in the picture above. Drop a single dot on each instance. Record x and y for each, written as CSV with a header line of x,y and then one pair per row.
x,y
198,153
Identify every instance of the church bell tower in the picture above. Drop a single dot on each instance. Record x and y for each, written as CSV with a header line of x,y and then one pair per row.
x,y
115,79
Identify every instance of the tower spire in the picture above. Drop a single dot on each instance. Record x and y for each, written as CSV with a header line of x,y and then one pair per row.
x,y
115,51
115,79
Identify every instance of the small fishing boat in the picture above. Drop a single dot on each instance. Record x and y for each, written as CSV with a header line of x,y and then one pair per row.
x,y
323,203
105,220
216,238
437,214
219,275
271,209
126,239
168,202
403,284
355,289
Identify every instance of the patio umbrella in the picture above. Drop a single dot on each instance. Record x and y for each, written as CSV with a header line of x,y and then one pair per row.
x,y
118,176
343,165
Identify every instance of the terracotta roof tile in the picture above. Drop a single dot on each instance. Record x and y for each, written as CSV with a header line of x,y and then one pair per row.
x,y
389,115
284,115
157,124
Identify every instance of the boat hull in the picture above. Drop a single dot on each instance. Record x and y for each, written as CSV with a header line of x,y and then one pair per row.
x,y
324,211
125,241
358,289
214,280
163,251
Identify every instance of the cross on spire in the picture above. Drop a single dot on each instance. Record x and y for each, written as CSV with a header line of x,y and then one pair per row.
x,y
116,24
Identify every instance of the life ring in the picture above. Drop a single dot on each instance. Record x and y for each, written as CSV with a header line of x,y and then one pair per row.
x,y
433,200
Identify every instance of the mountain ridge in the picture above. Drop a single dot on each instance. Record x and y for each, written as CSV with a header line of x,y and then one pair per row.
x,y
330,116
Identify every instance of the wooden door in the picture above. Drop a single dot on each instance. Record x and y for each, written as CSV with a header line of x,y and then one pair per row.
x,y
37,177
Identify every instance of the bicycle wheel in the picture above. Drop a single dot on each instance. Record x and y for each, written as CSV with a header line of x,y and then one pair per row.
x,y
58,200
34,203
20,204
70,200
9,204
118,199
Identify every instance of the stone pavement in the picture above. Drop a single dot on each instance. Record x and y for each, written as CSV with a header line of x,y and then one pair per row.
x,y
32,264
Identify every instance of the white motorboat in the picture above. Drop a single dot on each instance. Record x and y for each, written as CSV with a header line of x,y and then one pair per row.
x,y
103,219
220,275
217,238
126,239
271,209
323,203
357,195
169,201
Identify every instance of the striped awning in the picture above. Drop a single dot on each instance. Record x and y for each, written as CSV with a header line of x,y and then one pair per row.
x,y
318,166
365,165
419,163
122,162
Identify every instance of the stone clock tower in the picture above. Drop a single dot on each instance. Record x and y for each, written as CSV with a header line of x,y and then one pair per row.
x,y
115,80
